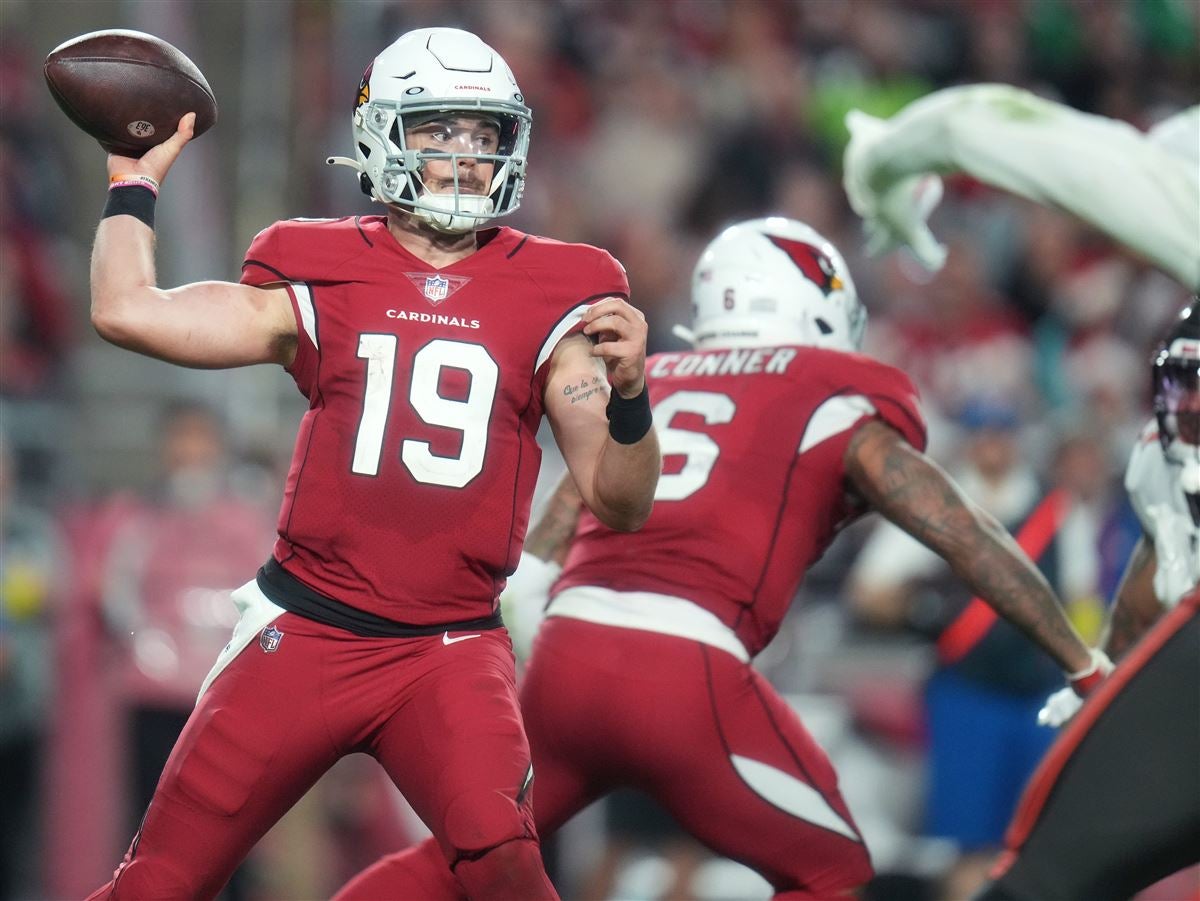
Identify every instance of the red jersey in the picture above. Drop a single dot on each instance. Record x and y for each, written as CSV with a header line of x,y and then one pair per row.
x,y
409,490
753,486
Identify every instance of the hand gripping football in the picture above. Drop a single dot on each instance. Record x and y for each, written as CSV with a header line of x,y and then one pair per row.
x,y
127,89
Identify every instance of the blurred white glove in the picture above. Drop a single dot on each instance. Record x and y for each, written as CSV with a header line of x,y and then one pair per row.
x,y
1059,707
524,599
1065,703
896,216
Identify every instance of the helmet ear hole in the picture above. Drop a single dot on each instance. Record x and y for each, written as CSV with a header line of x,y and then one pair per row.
x,y
364,183
824,327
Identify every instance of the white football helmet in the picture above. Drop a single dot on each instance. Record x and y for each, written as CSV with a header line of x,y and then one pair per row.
x,y
774,281
424,73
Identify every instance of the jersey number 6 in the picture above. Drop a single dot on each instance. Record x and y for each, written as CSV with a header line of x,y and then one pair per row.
x,y
700,452
469,416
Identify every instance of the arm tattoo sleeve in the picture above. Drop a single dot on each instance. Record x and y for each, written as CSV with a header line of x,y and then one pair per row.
x,y
916,494
551,537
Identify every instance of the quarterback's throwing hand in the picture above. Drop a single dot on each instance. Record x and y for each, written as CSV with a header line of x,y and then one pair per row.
x,y
156,161
619,331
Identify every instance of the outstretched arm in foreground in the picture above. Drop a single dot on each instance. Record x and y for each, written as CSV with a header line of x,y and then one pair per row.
x,y
207,325
1141,189
917,495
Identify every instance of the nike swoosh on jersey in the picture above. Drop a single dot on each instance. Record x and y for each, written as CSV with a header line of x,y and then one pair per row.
x,y
446,639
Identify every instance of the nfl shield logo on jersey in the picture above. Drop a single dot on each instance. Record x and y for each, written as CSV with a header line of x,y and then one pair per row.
x,y
269,639
437,288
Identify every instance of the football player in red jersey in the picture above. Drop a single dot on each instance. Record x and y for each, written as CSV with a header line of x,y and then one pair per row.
x,y
429,347
775,433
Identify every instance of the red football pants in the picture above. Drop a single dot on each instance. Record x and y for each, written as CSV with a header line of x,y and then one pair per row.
x,y
691,726
441,718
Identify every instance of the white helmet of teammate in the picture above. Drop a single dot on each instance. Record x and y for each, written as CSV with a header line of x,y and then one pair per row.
x,y
774,281
425,73
1177,395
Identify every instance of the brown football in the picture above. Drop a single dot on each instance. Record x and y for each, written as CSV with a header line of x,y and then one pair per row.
x,y
127,89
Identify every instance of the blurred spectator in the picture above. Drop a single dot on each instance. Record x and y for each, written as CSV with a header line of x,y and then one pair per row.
x,y
35,328
34,176
956,336
167,576
31,568
168,561
654,256
981,702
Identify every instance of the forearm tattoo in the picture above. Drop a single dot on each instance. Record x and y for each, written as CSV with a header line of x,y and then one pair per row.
x,y
917,495
551,536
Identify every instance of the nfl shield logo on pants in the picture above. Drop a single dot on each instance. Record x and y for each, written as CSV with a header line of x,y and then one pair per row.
x,y
437,288
269,639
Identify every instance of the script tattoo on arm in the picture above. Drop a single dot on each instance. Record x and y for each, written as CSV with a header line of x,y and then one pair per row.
x,y
1137,607
917,495
551,537
585,389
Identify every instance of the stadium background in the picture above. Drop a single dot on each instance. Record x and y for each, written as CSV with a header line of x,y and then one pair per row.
x,y
655,122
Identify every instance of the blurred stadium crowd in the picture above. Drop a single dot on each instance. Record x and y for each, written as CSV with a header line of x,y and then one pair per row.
x,y
134,495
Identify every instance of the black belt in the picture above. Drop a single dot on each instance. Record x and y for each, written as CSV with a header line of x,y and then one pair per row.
x,y
284,589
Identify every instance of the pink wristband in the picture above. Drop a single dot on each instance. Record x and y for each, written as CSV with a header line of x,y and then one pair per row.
x,y
134,181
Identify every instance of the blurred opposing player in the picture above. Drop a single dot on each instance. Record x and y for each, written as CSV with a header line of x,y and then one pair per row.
x,y
1115,805
1142,189
429,347
776,433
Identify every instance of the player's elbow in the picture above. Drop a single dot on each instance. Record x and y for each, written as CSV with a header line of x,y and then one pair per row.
x,y
626,517
114,320
107,321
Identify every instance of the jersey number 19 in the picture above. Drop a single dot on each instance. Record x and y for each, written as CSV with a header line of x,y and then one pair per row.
x,y
470,416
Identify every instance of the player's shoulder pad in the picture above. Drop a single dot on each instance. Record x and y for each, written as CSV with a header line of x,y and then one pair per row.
x,y
304,229
538,251
842,368
303,249
890,390
570,273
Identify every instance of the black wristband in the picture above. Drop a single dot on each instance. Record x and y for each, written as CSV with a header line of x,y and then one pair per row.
x,y
629,419
131,200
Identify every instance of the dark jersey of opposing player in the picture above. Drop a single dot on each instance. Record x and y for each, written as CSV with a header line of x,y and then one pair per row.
x,y
753,487
409,489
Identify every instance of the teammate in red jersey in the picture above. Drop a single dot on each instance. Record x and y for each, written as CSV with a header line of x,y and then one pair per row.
x,y
429,347
775,433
